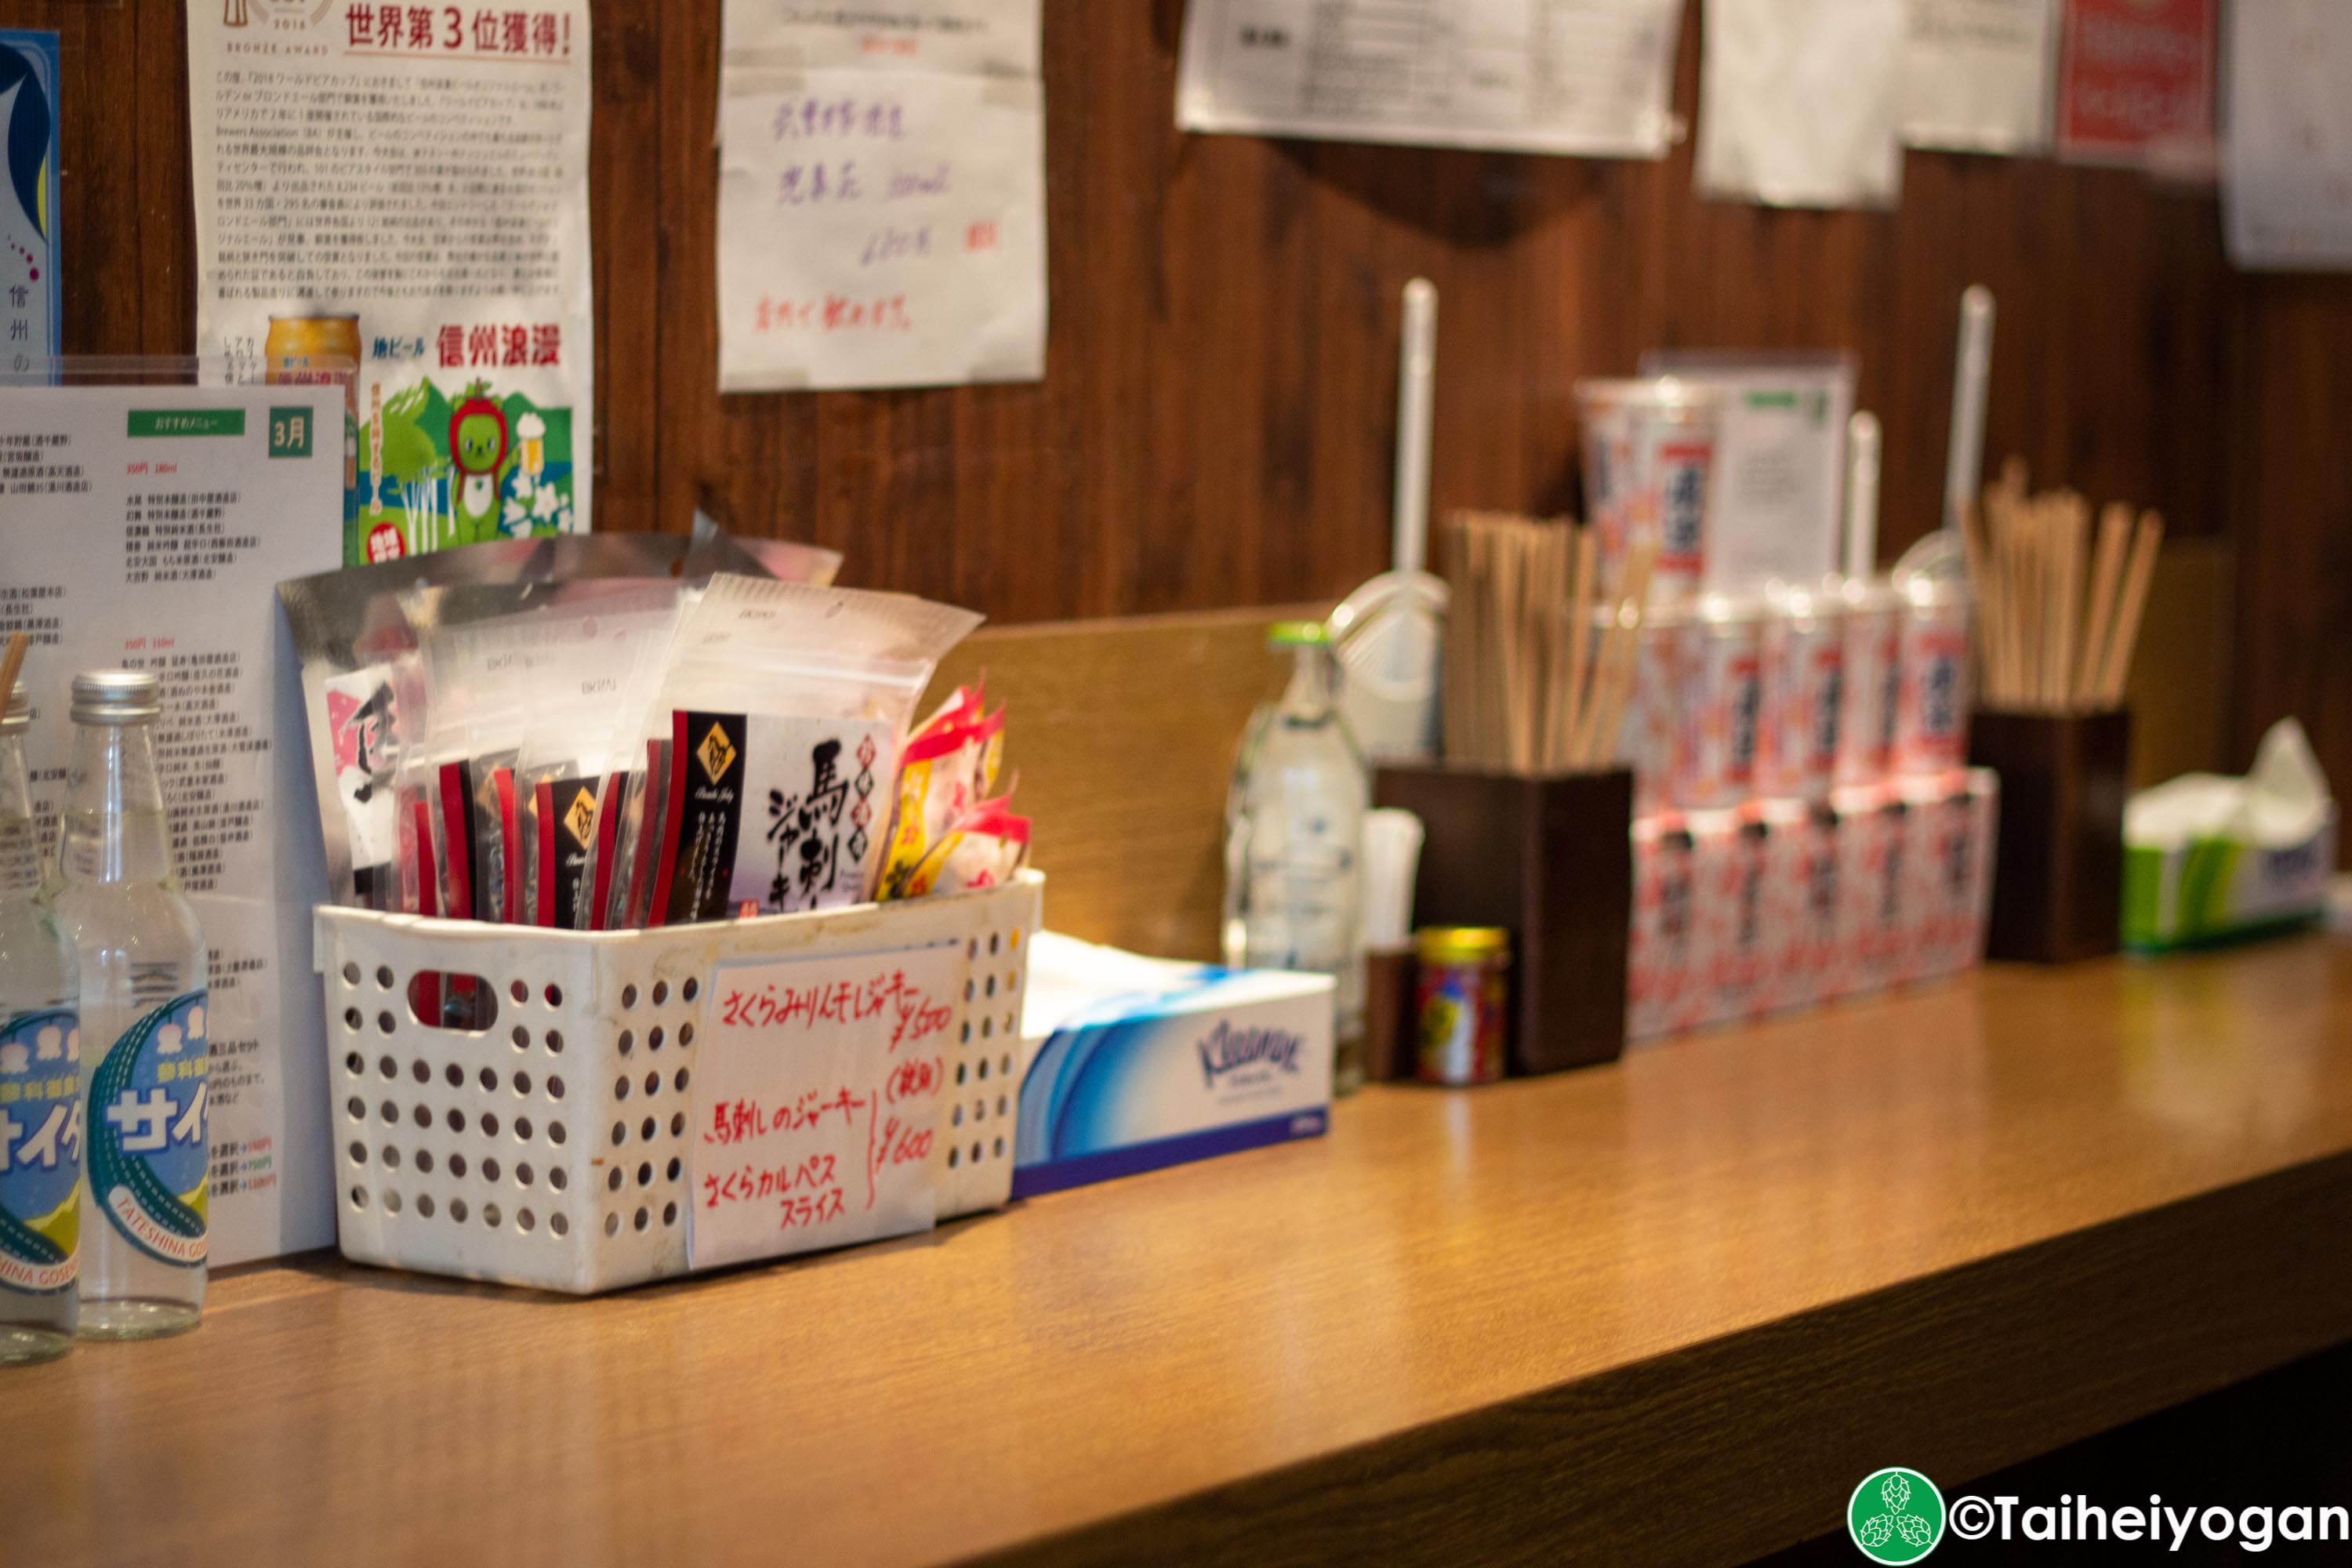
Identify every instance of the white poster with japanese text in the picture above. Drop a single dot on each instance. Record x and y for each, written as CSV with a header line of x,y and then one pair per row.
x,y
405,186
881,198
2287,174
147,527
1800,102
1980,75
1591,78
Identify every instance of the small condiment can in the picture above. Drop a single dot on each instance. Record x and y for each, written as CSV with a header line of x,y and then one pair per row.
x,y
1931,719
1465,995
1649,473
1804,696
1647,741
1722,716
1873,678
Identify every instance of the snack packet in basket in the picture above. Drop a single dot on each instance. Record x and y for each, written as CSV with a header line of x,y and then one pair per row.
x,y
785,709
948,768
987,849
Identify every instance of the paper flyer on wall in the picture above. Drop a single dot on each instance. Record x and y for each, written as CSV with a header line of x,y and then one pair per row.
x,y
31,293
882,223
1978,75
147,527
964,37
406,186
1800,102
2134,77
2287,187
1594,79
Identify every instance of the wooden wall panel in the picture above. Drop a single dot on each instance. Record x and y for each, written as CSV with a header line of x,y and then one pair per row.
x,y
2293,485
1217,425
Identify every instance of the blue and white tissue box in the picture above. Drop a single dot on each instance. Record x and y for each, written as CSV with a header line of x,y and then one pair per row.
x,y
1130,1064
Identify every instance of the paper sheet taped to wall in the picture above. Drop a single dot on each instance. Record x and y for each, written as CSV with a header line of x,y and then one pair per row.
x,y
407,187
2288,195
1801,101
881,196
1589,77
1978,75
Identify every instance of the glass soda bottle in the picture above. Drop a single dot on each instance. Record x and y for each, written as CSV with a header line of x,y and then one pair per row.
x,y
1294,840
40,1081
143,1011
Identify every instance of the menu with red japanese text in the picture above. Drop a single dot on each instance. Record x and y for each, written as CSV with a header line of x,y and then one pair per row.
x,y
817,1095
2135,74
405,186
881,196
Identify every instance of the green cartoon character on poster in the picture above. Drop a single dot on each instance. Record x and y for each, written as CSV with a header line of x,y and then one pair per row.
x,y
479,451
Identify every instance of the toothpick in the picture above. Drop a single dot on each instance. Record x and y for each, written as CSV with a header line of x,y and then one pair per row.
x,y
2134,604
2106,579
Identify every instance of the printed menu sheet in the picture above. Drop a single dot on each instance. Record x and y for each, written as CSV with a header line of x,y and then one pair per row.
x,y
1588,77
30,291
405,186
147,527
1800,102
1978,75
881,196
816,1101
2135,74
1780,481
2288,188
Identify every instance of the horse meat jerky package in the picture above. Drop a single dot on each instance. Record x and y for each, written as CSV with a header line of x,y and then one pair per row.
x,y
786,705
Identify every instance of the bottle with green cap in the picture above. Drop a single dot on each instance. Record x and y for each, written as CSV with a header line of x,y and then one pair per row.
x,y
145,1064
1294,825
40,1080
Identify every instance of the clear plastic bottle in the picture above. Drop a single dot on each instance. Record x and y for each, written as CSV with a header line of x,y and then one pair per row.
x,y
1294,840
142,1013
41,1081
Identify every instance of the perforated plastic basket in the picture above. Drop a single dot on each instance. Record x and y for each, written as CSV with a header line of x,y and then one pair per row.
x,y
550,1148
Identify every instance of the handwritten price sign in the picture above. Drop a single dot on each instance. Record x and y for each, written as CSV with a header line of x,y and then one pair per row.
x,y
816,1099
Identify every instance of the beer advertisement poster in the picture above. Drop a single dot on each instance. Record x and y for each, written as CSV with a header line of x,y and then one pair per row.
x,y
394,197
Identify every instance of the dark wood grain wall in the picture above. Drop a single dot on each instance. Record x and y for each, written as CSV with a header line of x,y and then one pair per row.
x,y
1217,424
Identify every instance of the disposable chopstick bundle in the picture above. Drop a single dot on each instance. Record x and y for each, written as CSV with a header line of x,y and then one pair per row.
x,y
2059,602
1532,684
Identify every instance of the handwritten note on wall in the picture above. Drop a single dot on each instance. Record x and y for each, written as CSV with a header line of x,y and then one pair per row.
x,y
817,1097
882,223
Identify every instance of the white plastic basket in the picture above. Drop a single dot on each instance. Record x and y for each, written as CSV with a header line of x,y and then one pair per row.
x,y
551,1149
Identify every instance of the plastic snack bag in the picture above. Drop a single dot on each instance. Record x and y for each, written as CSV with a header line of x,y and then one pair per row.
x,y
947,767
786,706
986,848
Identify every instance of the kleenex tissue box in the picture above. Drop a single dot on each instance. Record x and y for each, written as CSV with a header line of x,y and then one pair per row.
x,y
1131,1063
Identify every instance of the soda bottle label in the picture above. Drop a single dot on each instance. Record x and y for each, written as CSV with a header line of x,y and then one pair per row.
x,y
148,1159
40,1152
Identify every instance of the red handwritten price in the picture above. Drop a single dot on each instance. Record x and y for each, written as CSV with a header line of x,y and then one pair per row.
x,y
914,1015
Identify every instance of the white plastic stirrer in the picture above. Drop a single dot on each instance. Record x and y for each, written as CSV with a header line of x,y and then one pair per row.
x,y
1971,381
1389,631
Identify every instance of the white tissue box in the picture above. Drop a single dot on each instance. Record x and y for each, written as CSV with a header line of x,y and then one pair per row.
x,y
1130,1064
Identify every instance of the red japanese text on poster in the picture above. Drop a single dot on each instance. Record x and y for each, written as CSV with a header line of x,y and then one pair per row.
x,y
2134,73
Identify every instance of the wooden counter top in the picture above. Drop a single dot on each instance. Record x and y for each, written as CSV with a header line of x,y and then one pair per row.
x,y
1947,1229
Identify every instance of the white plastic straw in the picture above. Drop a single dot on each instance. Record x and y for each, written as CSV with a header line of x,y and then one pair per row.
x,y
1862,459
1416,411
1971,378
